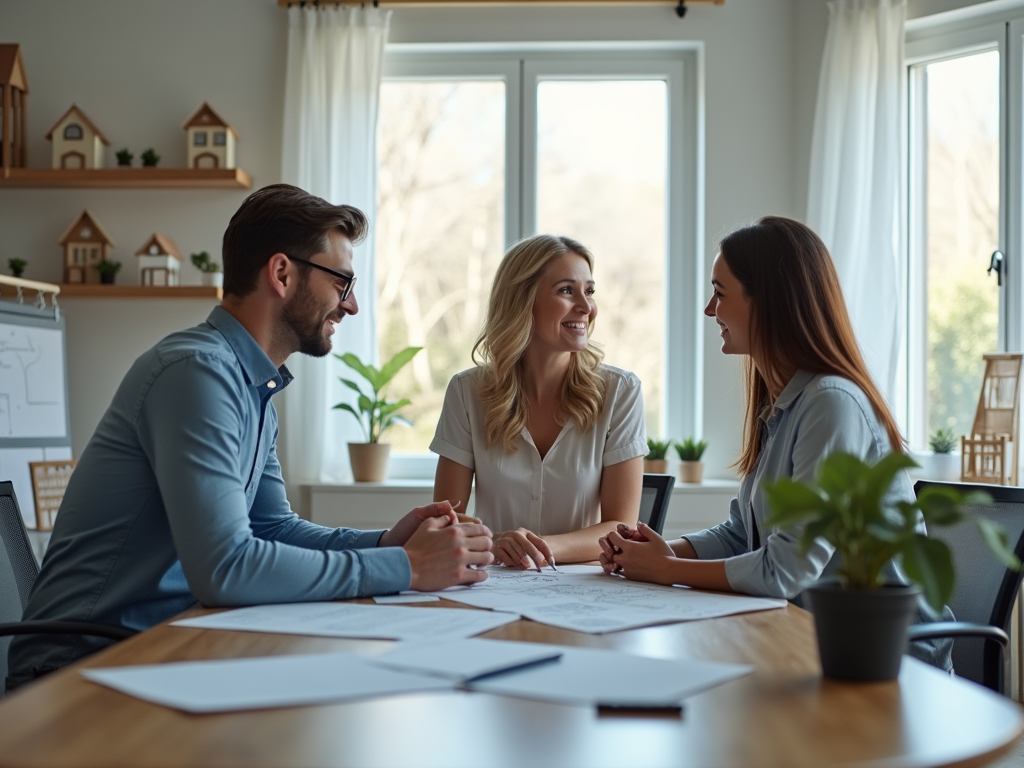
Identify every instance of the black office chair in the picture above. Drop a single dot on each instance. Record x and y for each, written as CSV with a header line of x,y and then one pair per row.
x,y
985,588
654,500
18,571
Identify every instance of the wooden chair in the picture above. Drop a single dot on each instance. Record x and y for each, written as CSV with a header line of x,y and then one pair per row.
x,y
989,453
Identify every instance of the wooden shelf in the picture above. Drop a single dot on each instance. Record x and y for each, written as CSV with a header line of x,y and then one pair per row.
x,y
125,178
93,291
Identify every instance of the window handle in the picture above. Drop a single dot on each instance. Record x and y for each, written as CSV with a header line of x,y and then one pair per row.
x,y
997,264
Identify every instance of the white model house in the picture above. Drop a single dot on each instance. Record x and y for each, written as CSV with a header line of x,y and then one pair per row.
x,y
85,245
211,141
77,142
159,261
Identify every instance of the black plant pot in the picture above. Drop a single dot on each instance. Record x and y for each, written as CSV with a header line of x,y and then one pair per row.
x,y
862,634
107,278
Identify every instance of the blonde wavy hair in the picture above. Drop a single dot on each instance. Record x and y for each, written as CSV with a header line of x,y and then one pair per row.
x,y
507,333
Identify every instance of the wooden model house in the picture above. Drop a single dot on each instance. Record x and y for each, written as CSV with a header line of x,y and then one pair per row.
x,y
211,141
159,261
85,245
12,107
77,142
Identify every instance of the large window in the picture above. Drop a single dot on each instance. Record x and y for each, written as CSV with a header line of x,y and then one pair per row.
x,y
964,214
478,150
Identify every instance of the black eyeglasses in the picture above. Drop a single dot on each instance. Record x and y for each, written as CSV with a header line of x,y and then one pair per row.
x,y
348,280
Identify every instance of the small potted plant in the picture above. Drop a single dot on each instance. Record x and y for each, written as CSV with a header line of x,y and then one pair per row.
x,y
107,270
124,158
370,459
210,271
655,462
941,463
17,266
150,158
861,621
691,468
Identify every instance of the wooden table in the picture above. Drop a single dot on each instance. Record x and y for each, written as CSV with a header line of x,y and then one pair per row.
x,y
784,714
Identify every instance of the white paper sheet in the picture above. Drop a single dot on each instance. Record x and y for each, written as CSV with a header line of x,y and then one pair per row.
x,y
385,622
599,677
466,659
276,681
405,597
584,599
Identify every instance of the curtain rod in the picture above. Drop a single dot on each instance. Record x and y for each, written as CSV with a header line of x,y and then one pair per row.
x,y
680,4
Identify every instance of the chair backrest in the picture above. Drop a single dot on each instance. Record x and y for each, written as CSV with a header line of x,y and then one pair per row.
x,y
998,399
18,568
654,500
985,588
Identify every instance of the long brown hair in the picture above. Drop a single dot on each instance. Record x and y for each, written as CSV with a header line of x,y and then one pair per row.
x,y
507,332
798,321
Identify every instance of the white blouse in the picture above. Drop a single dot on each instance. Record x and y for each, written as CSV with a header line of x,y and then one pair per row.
x,y
562,492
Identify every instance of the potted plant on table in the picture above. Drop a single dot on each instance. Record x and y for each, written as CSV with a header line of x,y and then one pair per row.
x,y
861,621
209,270
655,461
370,459
107,269
941,463
691,468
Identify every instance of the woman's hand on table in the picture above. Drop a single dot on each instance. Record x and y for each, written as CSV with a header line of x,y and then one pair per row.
x,y
521,548
639,554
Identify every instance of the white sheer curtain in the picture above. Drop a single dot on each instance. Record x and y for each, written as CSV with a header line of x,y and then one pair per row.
x,y
854,189
330,127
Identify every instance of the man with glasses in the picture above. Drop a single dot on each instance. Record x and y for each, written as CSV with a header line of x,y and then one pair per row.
x,y
178,497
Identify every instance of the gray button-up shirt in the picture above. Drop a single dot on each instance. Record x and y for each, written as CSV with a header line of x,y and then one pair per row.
x,y
814,416
178,497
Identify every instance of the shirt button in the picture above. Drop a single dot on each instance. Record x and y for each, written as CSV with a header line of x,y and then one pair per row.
x,y
271,384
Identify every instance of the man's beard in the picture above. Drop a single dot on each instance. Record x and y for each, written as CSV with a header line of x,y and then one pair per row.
x,y
307,323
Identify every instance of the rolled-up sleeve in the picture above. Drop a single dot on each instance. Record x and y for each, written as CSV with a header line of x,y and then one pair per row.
x,y
453,437
627,435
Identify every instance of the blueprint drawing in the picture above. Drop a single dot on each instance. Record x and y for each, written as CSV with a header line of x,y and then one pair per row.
x,y
586,600
32,390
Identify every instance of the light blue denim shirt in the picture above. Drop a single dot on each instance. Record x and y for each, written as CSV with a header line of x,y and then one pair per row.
x,y
815,415
178,498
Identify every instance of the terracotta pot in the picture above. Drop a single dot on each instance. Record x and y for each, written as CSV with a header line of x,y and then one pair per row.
x,y
369,461
691,471
655,466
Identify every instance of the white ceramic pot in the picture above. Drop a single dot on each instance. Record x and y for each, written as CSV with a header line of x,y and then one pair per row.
x,y
938,466
213,279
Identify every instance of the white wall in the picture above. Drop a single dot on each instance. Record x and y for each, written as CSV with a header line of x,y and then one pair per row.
x,y
140,69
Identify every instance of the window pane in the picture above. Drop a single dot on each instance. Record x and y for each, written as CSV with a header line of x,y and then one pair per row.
x,y
962,232
602,174
440,234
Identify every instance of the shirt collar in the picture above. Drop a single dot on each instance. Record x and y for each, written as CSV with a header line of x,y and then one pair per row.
x,y
256,365
789,393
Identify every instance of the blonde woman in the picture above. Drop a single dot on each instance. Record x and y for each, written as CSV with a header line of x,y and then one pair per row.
x,y
555,439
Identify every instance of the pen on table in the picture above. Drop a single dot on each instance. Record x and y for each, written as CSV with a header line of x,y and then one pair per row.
x,y
551,562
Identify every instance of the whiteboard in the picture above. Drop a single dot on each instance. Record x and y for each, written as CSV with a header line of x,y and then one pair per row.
x,y
32,388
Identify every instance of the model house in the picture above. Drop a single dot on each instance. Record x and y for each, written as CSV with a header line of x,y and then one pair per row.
x,y
77,142
211,141
13,90
159,261
85,244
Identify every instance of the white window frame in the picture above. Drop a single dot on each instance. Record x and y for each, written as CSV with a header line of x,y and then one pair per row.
x,y
522,67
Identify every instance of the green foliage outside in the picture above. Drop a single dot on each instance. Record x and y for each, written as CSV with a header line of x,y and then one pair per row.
x,y
657,449
845,506
376,414
691,449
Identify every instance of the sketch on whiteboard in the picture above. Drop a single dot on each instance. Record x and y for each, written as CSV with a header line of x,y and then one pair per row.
x,y
32,395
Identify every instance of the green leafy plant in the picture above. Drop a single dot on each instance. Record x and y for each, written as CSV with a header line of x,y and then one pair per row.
x,y
107,267
656,449
376,414
17,266
844,505
691,449
124,157
202,262
943,441
150,158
